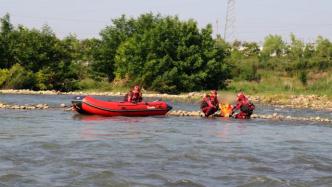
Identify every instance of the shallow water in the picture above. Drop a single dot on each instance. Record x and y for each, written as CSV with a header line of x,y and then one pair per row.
x,y
58,148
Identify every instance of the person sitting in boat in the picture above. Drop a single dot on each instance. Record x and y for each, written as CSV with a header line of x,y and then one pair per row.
x,y
126,97
134,95
210,103
243,105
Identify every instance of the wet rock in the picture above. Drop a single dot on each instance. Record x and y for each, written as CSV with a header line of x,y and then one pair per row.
x,y
68,109
39,106
15,107
254,116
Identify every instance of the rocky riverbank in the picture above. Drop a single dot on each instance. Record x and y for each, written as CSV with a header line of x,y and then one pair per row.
x,y
296,101
24,107
274,116
280,100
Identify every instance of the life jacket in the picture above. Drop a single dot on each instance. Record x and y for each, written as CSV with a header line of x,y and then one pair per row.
x,y
136,97
204,103
214,101
248,108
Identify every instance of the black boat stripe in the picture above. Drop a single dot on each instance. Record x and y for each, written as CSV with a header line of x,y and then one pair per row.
x,y
101,108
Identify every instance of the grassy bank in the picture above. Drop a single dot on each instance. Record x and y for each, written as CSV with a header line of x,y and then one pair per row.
x,y
282,83
270,85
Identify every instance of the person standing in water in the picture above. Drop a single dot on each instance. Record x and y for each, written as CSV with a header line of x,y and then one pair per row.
x,y
245,107
210,103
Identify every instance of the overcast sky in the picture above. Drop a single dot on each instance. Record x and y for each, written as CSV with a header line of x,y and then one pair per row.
x,y
254,18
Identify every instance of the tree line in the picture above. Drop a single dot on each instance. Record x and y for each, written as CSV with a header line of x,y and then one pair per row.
x,y
160,53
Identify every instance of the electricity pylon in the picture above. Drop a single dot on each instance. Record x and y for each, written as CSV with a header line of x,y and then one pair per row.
x,y
229,34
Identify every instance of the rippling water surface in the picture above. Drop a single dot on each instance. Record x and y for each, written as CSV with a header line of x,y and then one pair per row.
x,y
58,148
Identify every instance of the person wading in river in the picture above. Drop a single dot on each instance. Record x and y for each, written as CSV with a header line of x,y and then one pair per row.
x,y
210,103
245,107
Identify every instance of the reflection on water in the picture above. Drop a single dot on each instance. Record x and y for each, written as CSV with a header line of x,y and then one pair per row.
x,y
88,132
91,130
58,148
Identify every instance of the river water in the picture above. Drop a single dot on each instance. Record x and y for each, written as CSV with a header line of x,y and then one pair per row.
x,y
58,148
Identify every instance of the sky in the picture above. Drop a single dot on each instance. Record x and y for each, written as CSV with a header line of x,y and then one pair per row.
x,y
255,19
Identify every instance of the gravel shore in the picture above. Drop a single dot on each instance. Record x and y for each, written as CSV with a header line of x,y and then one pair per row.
x,y
291,101
280,100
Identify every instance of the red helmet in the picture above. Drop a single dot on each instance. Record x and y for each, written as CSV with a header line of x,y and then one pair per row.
x,y
241,96
213,92
136,88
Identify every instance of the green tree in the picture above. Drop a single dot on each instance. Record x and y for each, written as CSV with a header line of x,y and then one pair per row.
x,y
18,78
172,56
273,45
296,52
322,56
113,36
6,29
38,52
296,48
250,49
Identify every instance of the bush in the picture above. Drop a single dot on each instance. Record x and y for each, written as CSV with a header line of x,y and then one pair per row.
x,y
4,74
246,70
90,84
42,77
322,85
249,73
19,78
303,78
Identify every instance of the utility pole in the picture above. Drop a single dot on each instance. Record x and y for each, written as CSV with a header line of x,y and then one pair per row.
x,y
229,34
217,22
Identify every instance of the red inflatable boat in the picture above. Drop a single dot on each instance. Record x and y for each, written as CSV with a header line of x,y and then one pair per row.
x,y
90,105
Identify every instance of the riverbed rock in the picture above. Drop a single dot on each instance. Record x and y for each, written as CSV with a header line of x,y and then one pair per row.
x,y
39,106
15,107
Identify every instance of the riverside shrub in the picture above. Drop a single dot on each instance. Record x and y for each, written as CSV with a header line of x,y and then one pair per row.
x,y
18,78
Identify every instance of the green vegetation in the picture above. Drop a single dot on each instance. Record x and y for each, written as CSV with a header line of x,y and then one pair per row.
x,y
162,54
279,67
